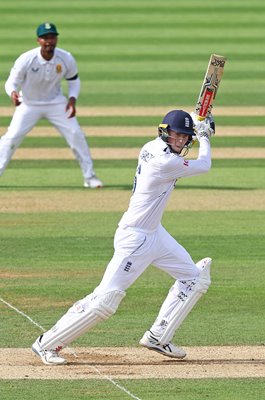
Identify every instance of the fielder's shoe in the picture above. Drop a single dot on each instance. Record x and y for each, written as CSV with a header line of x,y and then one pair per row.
x,y
169,350
49,357
93,182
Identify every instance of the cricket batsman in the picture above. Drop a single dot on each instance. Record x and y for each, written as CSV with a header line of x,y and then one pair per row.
x,y
141,240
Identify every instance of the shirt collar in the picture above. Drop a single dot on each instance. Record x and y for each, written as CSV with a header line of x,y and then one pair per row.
x,y
43,61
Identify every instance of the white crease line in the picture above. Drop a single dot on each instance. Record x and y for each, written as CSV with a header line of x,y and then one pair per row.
x,y
95,368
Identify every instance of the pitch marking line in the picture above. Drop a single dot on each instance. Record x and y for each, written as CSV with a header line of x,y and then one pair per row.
x,y
93,367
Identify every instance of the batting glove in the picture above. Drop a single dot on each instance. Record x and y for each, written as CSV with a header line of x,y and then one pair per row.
x,y
205,128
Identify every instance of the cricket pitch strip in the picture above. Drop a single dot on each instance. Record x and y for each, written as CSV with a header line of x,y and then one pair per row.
x,y
137,363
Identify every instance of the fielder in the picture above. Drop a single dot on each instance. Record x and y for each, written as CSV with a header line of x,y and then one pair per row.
x,y
34,86
141,240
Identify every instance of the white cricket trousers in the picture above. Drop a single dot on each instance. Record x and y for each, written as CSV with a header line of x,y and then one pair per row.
x,y
136,250
25,118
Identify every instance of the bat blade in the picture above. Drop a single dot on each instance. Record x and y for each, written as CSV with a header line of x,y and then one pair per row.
x,y
210,86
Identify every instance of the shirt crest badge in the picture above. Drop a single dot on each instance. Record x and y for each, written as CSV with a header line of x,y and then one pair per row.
x,y
58,68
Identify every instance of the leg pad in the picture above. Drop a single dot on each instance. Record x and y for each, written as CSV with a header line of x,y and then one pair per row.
x,y
187,301
80,319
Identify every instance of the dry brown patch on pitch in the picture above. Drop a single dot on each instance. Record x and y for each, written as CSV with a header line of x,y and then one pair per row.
x,y
45,274
137,363
117,200
12,275
139,131
162,110
152,110
132,153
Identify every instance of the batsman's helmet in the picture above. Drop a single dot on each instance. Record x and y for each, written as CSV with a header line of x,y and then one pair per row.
x,y
178,121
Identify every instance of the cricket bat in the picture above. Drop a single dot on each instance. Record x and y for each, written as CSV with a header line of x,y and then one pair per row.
x,y
210,86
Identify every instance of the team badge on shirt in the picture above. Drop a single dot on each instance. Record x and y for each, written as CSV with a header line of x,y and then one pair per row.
x,y
58,68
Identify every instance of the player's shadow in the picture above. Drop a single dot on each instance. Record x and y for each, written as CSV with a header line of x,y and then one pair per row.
x,y
114,187
66,187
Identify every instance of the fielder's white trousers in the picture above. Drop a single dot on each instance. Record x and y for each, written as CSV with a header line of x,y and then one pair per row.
x,y
25,118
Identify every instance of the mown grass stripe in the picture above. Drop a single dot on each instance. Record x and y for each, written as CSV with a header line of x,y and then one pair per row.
x,y
130,9
164,75
149,40
102,26
245,388
10,54
151,120
127,163
139,76
127,142
129,153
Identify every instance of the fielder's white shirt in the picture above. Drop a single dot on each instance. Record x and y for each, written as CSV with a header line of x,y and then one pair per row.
x,y
39,79
157,171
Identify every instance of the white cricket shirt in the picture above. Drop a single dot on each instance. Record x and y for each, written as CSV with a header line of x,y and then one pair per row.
x,y
39,79
157,171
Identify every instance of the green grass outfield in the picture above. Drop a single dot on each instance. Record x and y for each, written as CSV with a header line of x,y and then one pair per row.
x,y
127,142
136,53
156,389
147,52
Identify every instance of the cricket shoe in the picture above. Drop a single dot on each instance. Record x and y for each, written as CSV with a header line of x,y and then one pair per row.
x,y
93,183
152,343
49,357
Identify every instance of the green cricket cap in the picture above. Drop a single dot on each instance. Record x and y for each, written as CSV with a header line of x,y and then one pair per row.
x,y
46,28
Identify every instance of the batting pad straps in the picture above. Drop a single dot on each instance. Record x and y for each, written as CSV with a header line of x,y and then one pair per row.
x,y
186,303
80,319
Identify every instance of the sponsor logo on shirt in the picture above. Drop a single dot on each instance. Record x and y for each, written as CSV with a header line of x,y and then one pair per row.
x,y
34,69
185,163
145,156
